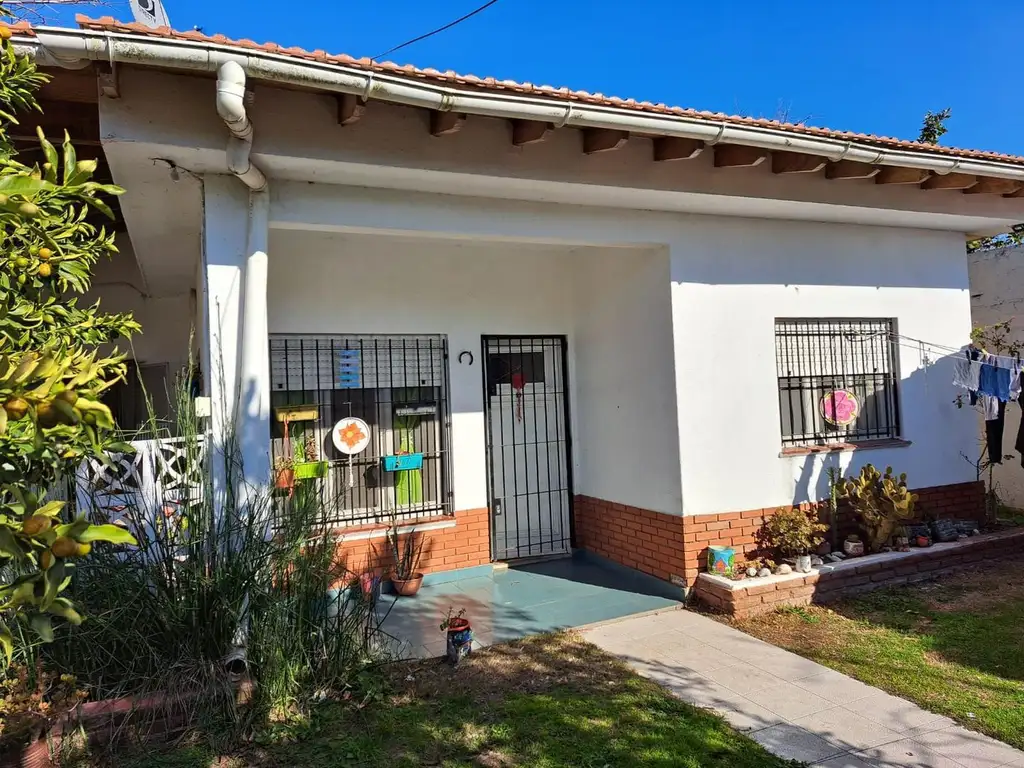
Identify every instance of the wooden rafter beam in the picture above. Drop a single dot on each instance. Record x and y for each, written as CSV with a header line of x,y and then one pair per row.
x,y
891,174
850,169
1018,193
350,108
676,148
738,156
992,186
445,123
530,132
796,162
950,181
602,140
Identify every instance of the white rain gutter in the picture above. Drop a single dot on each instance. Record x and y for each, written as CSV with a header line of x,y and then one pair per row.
x,y
231,108
68,48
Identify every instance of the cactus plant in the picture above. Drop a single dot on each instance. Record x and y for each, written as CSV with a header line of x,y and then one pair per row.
x,y
882,501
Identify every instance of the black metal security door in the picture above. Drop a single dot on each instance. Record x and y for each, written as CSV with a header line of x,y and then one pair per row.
x,y
526,406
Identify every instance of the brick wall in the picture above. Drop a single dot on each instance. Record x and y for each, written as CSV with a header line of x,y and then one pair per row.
x,y
637,538
738,529
464,545
756,596
667,545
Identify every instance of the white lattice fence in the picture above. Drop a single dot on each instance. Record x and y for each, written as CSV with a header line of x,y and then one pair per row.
x,y
162,475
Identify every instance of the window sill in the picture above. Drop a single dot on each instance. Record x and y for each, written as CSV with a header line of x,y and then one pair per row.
x,y
866,445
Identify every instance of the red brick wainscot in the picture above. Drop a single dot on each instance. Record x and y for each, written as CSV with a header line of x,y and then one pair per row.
x,y
750,597
454,541
965,501
651,542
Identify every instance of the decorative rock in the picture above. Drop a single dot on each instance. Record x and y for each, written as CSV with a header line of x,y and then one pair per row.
x,y
783,569
834,558
764,572
817,561
751,571
887,549
975,532
962,537
840,555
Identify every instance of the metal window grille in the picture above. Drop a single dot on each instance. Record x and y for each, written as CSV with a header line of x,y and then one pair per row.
x,y
398,385
837,380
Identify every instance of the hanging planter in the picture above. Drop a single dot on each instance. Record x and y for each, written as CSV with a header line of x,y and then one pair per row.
x,y
284,479
293,413
402,462
310,470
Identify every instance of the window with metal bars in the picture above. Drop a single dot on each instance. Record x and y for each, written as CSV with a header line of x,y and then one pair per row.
x,y
838,380
398,385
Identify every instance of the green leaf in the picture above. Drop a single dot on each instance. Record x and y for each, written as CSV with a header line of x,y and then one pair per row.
x,y
42,626
113,534
54,579
70,158
7,641
9,545
64,608
73,530
51,508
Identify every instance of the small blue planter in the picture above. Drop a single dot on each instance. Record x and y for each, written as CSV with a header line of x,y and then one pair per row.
x,y
402,462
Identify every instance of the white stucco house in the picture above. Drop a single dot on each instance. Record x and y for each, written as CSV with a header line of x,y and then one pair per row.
x,y
595,323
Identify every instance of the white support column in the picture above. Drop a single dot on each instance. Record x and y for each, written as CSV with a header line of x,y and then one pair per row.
x,y
234,269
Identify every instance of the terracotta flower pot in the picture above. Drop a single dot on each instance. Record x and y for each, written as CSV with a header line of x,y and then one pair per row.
x,y
407,587
853,548
284,479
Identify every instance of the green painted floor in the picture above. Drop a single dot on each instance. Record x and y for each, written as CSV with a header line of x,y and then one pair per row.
x,y
523,600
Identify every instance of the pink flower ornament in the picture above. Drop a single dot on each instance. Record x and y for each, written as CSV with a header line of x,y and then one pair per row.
x,y
840,407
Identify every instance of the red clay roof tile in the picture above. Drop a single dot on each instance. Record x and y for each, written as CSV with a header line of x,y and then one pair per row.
x,y
109,24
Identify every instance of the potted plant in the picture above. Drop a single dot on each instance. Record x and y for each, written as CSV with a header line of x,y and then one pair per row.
x,y
792,533
406,551
284,473
307,466
459,635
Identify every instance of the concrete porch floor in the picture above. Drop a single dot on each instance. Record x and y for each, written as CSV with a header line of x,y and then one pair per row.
x,y
522,600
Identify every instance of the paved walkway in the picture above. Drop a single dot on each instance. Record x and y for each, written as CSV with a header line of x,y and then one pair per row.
x,y
794,707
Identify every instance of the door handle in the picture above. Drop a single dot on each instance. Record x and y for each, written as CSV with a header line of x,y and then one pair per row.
x,y
496,506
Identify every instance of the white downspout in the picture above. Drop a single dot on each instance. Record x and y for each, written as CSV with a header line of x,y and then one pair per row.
x,y
231,108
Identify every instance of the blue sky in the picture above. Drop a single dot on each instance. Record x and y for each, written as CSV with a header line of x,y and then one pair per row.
x,y
873,66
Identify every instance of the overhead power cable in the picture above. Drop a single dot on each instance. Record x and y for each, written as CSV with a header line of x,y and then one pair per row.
x,y
437,31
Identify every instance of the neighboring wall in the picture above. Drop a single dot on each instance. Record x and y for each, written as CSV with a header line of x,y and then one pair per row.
x,y
730,284
997,295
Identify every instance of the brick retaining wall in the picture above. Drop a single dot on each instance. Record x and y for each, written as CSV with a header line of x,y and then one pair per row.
x,y
750,597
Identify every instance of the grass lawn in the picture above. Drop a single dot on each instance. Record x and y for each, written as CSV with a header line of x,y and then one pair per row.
x,y
546,701
954,646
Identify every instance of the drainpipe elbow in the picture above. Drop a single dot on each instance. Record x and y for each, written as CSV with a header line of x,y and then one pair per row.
x,y
231,99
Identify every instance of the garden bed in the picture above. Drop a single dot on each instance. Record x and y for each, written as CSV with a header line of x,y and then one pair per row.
x,y
753,596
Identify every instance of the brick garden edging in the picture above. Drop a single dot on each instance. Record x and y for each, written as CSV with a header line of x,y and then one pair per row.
x,y
750,597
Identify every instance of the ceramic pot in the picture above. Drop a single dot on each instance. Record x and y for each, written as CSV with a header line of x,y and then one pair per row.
x,y
923,541
460,640
407,587
803,563
853,548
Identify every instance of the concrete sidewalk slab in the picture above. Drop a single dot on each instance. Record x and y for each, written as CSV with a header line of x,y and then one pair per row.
x,y
795,708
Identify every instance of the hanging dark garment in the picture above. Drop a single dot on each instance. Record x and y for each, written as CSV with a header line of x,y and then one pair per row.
x,y
994,436
1019,445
